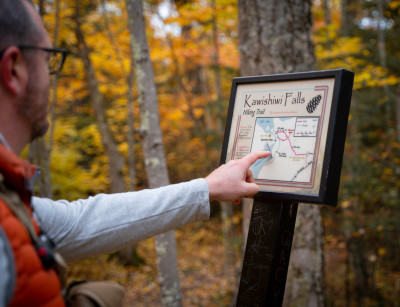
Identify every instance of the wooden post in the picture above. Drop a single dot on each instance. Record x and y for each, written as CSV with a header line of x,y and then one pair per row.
x,y
267,254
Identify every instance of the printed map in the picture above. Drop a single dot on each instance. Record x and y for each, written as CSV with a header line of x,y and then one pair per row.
x,y
292,142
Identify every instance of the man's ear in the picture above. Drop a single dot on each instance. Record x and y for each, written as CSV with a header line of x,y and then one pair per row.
x,y
14,71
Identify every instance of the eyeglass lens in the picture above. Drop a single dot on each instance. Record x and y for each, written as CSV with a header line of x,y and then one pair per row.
x,y
55,62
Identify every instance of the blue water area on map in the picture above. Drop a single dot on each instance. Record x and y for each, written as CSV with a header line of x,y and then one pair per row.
x,y
258,165
267,125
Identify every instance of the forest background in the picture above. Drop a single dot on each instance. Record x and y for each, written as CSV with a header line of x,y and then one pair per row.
x,y
194,51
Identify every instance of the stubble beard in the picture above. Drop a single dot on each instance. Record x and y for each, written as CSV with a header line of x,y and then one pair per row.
x,y
33,106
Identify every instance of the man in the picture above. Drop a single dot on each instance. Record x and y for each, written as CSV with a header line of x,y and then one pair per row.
x,y
84,228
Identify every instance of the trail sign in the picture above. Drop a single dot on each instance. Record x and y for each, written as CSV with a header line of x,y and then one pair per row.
x,y
301,118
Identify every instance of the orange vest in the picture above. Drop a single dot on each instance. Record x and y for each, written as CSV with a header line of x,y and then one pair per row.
x,y
34,286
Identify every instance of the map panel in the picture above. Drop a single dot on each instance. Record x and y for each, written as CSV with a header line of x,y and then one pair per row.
x,y
289,119
292,142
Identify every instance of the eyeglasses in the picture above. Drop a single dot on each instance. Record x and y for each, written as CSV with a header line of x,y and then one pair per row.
x,y
56,58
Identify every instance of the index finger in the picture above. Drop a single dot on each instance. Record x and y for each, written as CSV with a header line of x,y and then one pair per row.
x,y
254,156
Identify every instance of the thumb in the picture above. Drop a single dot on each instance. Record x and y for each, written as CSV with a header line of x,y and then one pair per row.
x,y
251,188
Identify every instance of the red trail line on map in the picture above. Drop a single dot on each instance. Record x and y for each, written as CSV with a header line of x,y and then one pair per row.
x,y
287,139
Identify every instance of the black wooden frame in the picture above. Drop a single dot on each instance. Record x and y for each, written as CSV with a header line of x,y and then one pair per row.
x,y
336,134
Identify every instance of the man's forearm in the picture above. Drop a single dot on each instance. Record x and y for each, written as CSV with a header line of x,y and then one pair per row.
x,y
106,223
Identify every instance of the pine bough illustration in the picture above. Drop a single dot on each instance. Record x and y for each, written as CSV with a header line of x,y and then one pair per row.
x,y
312,105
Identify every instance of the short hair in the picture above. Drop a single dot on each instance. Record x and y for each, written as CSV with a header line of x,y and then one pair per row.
x,y
16,24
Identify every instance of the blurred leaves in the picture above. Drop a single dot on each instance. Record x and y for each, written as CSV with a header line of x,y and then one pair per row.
x,y
180,35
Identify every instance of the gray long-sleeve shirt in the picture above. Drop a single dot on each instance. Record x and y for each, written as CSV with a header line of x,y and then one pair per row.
x,y
108,222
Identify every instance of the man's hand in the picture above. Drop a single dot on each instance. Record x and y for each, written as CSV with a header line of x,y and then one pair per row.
x,y
234,180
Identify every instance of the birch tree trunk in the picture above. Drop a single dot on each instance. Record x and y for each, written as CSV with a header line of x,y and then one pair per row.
x,y
275,37
153,148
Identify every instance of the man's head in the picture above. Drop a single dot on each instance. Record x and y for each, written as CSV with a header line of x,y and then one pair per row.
x,y
16,24
24,79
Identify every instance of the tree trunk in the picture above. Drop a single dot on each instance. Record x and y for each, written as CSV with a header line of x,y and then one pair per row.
x,y
357,250
227,232
398,113
153,148
247,207
218,126
49,147
327,13
128,255
348,15
40,149
355,240
275,37
114,157
226,207
131,130
41,7
305,283
383,63
39,154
